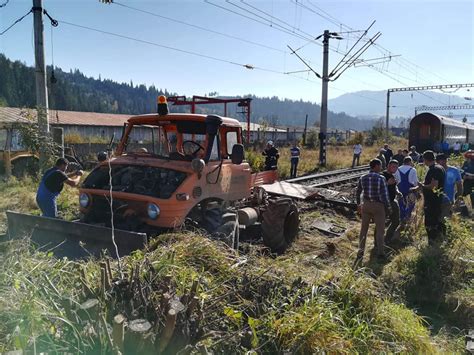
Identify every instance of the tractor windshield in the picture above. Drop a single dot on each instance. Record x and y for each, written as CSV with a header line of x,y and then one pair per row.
x,y
10,139
180,140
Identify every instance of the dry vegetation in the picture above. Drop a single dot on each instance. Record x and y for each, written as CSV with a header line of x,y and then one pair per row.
x,y
338,157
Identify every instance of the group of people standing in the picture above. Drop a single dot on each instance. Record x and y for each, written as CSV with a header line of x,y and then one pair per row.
x,y
272,155
391,191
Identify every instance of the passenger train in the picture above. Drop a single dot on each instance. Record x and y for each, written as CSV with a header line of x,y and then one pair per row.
x,y
428,130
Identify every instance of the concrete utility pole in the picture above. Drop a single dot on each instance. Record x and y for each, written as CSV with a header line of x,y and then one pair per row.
x,y
323,126
40,76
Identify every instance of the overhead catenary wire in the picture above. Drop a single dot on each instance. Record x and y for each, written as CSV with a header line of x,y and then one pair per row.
x,y
247,66
15,22
381,49
199,27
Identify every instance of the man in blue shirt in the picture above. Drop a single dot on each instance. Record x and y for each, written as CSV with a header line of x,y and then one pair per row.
x,y
295,158
453,178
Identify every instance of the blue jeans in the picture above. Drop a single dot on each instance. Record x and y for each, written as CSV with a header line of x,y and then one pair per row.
x,y
294,167
47,203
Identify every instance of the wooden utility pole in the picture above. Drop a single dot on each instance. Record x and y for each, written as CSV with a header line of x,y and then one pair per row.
x,y
40,76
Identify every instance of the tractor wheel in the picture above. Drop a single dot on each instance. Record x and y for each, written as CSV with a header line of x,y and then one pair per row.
x,y
25,166
280,224
229,233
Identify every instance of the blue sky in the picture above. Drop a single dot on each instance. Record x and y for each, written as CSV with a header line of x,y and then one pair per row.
x,y
434,39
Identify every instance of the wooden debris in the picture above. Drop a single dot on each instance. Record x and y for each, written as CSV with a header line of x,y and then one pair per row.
x,y
89,310
137,339
118,331
168,331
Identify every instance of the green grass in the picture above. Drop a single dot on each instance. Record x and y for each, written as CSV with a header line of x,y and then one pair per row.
x,y
243,304
20,195
437,279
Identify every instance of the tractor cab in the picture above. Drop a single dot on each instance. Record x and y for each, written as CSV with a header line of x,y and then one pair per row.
x,y
183,137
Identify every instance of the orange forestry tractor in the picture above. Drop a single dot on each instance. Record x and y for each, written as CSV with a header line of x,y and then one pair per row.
x,y
170,171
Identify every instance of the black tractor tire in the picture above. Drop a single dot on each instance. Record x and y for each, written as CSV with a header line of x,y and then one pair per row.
x,y
229,233
280,224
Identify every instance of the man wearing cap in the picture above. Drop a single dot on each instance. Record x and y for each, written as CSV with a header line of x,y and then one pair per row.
x,y
52,184
433,192
453,178
373,189
271,155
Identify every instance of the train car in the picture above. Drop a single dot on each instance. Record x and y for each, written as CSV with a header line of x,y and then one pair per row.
x,y
428,130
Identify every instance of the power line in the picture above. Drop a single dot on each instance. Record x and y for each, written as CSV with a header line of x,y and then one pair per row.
x,y
4,4
199,27
15,22
268,23
247,66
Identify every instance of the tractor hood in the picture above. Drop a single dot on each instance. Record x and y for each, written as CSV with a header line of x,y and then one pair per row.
x,y
141,179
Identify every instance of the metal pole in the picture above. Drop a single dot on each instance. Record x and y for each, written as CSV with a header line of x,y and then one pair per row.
x,y
40,76
324,102
388,112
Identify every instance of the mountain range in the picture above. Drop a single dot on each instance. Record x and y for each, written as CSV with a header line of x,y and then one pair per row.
x,y
372,104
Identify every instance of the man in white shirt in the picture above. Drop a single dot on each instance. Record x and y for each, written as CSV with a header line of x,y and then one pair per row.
x,y
407,182
457,148
357,153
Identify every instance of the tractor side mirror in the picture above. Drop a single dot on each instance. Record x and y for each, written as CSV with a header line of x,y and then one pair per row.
x,y
238,154
198,166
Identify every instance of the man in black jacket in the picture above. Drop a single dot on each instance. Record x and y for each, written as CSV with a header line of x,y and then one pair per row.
x,y
271,155
433,191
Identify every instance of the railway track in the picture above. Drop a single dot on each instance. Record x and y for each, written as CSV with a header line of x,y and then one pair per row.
x,y
331,177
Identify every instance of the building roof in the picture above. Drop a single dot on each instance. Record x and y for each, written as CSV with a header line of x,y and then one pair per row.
x,y
12,115
256,126
9,115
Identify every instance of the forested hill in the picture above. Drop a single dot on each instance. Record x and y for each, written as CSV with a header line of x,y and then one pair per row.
x,y
75,92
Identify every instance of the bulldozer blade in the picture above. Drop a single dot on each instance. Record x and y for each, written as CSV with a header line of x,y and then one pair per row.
x,y
72,239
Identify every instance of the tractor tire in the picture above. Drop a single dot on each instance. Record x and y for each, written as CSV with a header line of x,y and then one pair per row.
x,y
25,166
229,233
280,224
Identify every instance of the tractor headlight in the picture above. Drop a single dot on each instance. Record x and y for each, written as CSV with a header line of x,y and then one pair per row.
x,y
84,200
153,211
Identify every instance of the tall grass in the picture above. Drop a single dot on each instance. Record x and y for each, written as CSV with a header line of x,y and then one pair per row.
x,y
243,305
338,157
20,195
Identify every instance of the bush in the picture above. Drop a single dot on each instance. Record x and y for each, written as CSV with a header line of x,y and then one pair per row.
x,y
312,139
358,138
